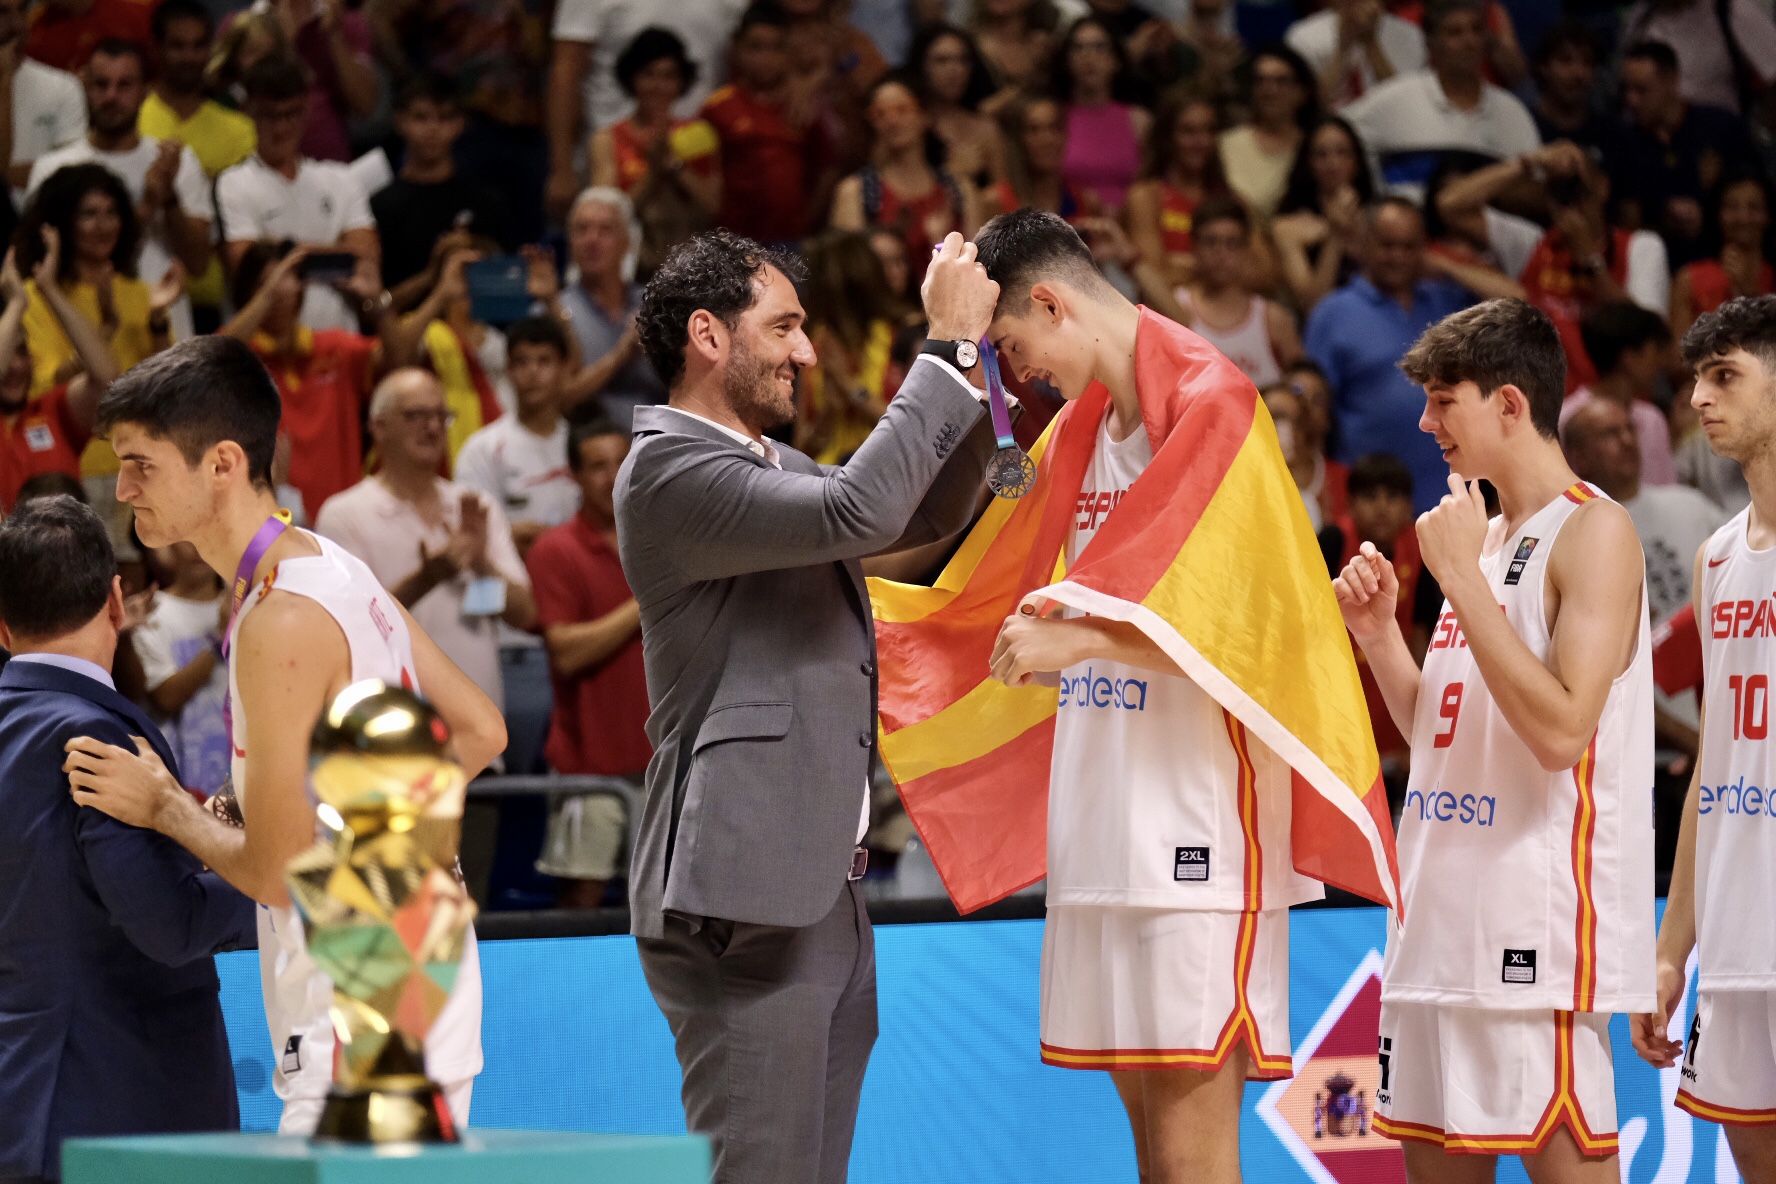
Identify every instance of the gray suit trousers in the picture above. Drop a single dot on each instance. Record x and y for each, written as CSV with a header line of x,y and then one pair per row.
x,y
774,1027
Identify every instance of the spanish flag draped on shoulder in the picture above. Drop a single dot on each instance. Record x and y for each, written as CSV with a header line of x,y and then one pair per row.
x,y
1211,555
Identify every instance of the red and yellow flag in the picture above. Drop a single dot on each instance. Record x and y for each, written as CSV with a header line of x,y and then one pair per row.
x,y
1211,555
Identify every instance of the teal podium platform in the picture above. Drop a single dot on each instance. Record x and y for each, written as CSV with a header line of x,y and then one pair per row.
x,y
483,1157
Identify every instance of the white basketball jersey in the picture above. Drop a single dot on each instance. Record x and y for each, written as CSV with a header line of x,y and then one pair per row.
x,y
1524,889
298,994
1736,804
1158,798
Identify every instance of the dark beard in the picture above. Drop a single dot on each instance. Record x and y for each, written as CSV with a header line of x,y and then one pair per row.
x,y
750,387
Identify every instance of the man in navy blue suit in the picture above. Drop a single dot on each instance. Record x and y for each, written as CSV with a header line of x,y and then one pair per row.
x,y
109,1019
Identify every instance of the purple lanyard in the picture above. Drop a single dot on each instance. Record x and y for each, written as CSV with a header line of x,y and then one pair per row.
x,y
1010,473
243,580
996,407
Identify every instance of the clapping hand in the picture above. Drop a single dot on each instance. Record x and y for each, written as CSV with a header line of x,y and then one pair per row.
x,y
1367,591
167,291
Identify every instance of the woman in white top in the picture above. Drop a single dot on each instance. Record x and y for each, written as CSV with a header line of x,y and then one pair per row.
x,y
1259,154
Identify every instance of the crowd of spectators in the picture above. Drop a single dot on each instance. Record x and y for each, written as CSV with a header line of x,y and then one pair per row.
x,y
431,220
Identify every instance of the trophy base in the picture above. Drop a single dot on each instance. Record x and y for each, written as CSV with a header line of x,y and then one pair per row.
x,y
400,1109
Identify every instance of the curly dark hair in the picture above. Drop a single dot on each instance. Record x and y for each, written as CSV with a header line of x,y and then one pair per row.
x,y
57,203
717,271
1492,344
654,44
1745,322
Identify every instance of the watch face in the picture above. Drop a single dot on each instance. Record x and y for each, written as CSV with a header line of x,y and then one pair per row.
x,y
967,354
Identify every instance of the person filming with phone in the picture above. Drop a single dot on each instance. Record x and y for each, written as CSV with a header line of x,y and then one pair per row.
x,y
323,376
278,193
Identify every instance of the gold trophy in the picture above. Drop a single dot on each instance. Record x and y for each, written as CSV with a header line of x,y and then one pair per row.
x,y
383,909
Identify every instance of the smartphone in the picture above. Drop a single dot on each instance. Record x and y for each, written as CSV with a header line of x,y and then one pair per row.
x,y
498,289
328,267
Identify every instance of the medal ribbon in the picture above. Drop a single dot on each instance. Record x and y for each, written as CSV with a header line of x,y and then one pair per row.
x,y
266,535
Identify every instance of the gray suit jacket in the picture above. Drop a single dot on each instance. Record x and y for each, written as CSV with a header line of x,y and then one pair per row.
x,y
759,645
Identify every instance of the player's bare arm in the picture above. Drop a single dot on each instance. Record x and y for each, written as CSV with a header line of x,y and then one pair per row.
x,y
1651,1031
290,659
1368,593
477,729
1596,564
1030,645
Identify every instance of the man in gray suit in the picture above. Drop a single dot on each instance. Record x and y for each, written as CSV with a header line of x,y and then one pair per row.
x,y
743,555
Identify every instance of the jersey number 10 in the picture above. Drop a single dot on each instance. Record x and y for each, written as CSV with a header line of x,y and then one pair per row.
x,y
1751,706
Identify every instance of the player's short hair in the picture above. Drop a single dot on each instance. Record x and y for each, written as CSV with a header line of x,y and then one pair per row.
x,y
537,330
1660,55
1379,472
717,271
1745,322
1492,344
56,566
590,429
168,11
1025,247
1611,330
202,391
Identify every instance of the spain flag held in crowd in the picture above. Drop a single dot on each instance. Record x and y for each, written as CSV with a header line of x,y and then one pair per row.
x,y
1212,556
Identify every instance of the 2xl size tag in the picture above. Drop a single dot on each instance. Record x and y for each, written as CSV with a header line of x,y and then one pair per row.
x,y
1190,865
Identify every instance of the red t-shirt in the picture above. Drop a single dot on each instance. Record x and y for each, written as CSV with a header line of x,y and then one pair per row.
x,y
1177,218
768,167
324,386
1551,285
42,438
1711,287
598,726
65,42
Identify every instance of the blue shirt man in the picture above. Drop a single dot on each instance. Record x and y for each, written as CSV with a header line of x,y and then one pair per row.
x,y
1358,335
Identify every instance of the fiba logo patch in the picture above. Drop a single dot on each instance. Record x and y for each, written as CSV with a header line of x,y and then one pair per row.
x,y
1190,864
292,1062
1525,549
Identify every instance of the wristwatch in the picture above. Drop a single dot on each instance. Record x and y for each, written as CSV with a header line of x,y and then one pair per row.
x,y
961,354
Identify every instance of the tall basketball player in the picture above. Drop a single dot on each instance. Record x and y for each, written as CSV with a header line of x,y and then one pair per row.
x,y
194,429
1725,871
1526,842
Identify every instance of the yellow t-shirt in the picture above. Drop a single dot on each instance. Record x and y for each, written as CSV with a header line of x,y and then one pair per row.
x,y
51,350
220,139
